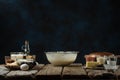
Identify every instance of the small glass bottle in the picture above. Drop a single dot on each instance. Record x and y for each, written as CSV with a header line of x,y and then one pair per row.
x,y
26,48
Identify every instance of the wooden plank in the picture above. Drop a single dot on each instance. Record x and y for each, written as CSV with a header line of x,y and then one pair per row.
x,y
74,72
117,73
101,74
23,75
49,72
38,67
3,72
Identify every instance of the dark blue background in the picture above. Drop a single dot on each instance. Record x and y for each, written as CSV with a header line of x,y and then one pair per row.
x,y
52,25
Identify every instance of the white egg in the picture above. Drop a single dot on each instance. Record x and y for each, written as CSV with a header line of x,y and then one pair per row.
x,y
24,67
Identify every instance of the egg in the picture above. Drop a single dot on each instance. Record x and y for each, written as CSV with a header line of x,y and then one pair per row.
x,y
24,67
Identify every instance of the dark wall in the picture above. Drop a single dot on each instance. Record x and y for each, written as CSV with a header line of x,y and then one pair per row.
x,y
52,25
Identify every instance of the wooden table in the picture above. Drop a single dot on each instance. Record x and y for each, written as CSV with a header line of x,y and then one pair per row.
x,y
50,72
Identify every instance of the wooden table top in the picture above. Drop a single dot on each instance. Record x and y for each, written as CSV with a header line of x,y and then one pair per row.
x,y
49,72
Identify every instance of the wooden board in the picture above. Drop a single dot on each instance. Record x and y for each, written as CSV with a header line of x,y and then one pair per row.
x,y
38,67
21,75
117,73
74,72
101,74
50,72
3,72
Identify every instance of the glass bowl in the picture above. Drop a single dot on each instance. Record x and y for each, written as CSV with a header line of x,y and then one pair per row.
x,y
61,58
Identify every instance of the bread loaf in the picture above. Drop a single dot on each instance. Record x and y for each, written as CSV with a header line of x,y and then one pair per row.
x,y
101,54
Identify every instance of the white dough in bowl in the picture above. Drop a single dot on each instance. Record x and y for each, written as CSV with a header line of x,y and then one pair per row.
x,y
61,58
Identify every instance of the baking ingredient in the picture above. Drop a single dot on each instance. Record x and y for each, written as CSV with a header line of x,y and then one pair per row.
x,y
101,59
91,64
24,67
61,58
12,64
90,58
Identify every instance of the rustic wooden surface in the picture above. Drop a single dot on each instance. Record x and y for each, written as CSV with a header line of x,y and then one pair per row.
x,y
3,72
101,74
117,73
74,72
50,72
30,73
18,74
